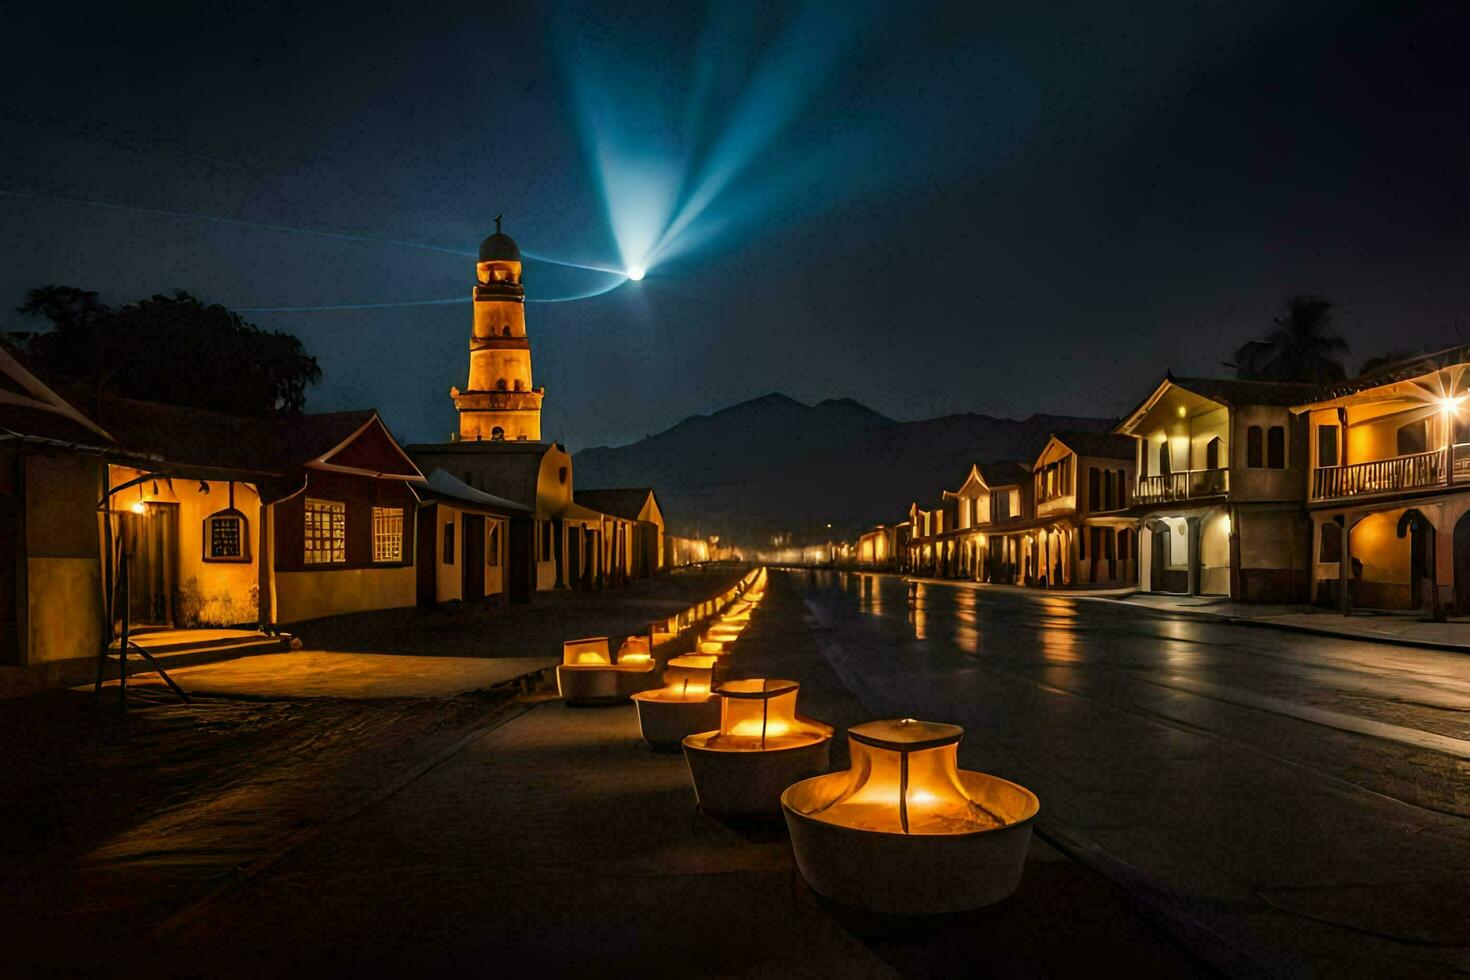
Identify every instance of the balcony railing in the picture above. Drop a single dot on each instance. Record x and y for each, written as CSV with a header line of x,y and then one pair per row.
x,y
1186,485
1414,472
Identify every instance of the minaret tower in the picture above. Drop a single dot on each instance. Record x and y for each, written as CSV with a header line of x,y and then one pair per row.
x,y
500,402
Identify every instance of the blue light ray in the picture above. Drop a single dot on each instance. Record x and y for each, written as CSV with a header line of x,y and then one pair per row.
x,y
664,179
351,306
239,222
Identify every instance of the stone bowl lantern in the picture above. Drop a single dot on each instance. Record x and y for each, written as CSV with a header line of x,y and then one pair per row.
x,y
904,831
761,747
684,705
587,674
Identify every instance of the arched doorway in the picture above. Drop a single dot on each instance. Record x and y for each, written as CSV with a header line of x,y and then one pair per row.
x,y
1462,563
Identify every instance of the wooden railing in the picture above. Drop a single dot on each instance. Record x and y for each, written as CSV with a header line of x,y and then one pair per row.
x,y
1396,473
1186,485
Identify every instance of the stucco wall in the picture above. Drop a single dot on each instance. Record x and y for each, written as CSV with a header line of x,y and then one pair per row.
x,y
64,608
307,595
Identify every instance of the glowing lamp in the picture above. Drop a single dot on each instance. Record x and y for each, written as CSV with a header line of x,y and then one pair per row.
x,y
684,705
139,508
761,747
905,831
587,674
637,273
634,650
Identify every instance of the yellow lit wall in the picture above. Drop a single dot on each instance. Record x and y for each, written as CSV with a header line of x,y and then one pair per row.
x,y
307,595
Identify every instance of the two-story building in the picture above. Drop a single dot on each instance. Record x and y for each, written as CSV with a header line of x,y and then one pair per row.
x,y
1221,473
1389,486
1081,484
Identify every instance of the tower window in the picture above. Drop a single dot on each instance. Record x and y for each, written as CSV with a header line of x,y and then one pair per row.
x,y
561,474
497,434
520,385
499,384
505,331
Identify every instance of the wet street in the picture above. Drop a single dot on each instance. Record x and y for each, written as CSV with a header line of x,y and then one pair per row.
x,y
1290,802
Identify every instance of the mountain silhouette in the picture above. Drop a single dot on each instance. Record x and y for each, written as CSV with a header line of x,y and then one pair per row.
x,y
773,465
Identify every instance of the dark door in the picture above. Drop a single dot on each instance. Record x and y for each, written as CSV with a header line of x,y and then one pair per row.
x,y
151,540
520,563
426,563
1158,561
1462,563
472,558
574,558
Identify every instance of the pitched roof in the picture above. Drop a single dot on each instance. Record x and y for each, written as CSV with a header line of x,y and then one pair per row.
x,y
1004,473
624,502
439,485
32,410
507,469
1098,444
1235,393
1410,367
272,444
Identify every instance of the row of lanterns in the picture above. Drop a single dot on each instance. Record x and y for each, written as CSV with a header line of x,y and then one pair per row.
x,y
903,830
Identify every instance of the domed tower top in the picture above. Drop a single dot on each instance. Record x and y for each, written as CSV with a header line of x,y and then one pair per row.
x,y
499,247
500,259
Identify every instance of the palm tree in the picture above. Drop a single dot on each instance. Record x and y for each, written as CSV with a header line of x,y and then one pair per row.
x,y
1298,349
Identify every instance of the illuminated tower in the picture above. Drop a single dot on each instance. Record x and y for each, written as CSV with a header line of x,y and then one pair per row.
x,y
500,402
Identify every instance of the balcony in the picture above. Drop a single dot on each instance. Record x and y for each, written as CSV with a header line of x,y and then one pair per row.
x,y
1186,485
1419,471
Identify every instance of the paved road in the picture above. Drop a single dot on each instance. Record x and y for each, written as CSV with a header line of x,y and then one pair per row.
x,y
1300,802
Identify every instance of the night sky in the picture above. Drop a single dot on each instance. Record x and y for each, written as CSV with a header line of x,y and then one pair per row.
x,y
930,208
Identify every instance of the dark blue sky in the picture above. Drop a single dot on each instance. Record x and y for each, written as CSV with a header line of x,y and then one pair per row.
x,y
929,207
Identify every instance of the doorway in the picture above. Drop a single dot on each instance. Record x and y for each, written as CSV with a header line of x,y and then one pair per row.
x,y
151,541
472,558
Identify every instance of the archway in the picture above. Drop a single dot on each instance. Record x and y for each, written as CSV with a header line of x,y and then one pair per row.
x,y
1462,563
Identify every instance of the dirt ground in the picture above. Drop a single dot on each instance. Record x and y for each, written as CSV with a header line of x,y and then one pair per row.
x,y
113,822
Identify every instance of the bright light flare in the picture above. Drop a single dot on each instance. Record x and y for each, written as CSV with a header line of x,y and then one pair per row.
x,y
637,273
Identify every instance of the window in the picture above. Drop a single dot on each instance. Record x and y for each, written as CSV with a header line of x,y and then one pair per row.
x,y
497,434
1094,488
1254,456
499,384
387,534
561,475
1276,448
449,543
225,537
1107,542
546,554
1082,543
1123,544
1326,445
1110,479
492,545
1165,464
1212,453
325,531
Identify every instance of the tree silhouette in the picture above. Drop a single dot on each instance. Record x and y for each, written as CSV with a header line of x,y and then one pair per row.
x,y
1300,348
171,349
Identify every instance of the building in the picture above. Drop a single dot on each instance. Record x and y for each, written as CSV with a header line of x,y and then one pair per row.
x,y
1007,552
464,551
640,508
239,520
498,449
880,548
1221,471
1084,534
1388,486
51,619
500,402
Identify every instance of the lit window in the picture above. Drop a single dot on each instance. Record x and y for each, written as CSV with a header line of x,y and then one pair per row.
x,y
224,536
387,534
326,531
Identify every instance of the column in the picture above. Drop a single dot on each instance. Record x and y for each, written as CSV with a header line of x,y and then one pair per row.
x,y
1193,533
